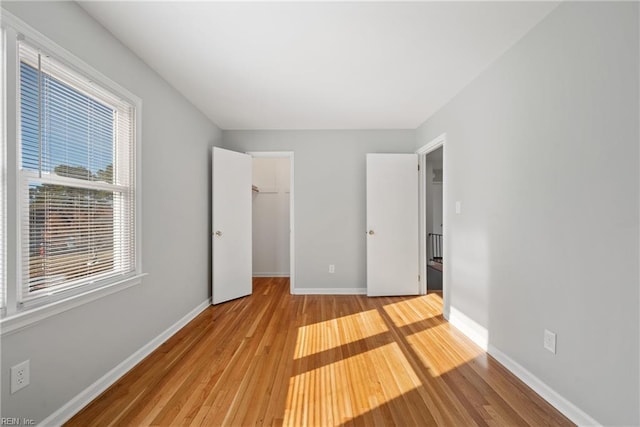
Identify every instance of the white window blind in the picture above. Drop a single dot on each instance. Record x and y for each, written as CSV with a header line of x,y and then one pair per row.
x,y
77,185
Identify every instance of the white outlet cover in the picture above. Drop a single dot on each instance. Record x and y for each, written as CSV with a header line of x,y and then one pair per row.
x,y
458,207
20,376
550,341
332,268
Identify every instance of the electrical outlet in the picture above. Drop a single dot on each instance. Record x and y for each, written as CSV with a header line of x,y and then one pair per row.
x,y
458,207
19,376
550,341
332,268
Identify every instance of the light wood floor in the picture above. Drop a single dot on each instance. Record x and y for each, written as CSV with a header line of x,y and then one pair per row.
x,y
273,358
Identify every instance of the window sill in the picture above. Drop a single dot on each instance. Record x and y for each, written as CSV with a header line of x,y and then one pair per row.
x,y
22,319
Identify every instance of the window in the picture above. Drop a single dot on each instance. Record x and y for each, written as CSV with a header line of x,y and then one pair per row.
x,y
69,198
77,169
3,213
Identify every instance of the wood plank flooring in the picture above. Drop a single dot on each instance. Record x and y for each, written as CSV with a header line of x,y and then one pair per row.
x,y
277,359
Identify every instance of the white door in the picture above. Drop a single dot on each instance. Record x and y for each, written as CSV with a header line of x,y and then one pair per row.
x,y
231,186
392,221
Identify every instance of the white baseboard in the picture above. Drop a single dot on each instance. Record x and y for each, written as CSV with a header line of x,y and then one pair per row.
x,y
474,331
82,399
567,408
479,335
330,291
271,274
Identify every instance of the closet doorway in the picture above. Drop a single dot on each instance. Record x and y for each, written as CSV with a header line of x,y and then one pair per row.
x,y
272,215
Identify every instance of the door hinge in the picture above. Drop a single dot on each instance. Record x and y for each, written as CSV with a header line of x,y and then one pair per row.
x,y
418,166
418,277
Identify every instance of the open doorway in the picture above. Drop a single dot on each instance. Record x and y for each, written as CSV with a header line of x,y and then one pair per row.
x,y
433,219
272,215
432,225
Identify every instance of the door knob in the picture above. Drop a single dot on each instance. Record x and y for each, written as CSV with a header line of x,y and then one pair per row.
x,y
219,233
371,232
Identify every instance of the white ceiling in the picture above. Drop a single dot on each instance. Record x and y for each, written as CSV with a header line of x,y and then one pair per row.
x,y
380,65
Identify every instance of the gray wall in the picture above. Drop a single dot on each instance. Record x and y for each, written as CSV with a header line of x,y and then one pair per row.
x,y
70,351
542,151
329,186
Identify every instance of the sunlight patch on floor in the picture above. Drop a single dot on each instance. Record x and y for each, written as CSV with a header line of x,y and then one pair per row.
x,y
436,350
333,333
414,310
338,392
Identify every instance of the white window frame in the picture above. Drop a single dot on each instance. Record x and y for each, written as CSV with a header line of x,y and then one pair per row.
x,y
18,316
3,180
